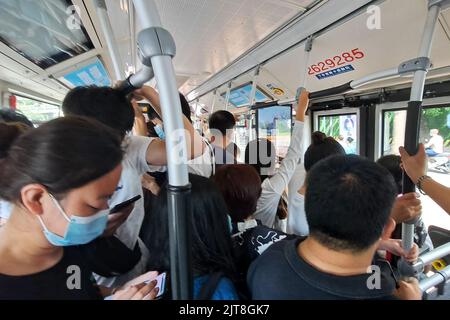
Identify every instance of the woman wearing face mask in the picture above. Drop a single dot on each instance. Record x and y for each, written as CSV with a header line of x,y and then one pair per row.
x,y
59,178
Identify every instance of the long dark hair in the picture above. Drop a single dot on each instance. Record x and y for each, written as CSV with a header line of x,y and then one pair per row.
x,y
62,154
210,235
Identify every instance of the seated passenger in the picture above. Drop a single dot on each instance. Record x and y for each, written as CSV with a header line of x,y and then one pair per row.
x,y
321,147
59,178
261,155
142,154
348,202
240,185
212,249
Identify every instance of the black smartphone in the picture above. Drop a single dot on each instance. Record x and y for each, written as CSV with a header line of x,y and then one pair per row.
x,y
124,204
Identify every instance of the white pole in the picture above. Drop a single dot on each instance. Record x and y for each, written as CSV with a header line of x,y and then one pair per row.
x,y
425,51
105,24
179,212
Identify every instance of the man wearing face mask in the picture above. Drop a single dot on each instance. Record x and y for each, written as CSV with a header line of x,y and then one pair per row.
x,y
204,164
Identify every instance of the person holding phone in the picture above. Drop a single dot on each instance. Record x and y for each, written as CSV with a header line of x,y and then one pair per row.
x,y
142,154
59,178
213,261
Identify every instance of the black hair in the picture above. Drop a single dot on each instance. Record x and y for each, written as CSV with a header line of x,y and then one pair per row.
x,y
9,132
107,105
348,202
240,185
185,108
222,121
260,154
320,148
62,154
210,235
9,116
393,164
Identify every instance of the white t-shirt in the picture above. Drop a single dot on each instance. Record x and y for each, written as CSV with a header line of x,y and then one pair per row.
x,y
296,221
437,144
273,187
203,165
134,165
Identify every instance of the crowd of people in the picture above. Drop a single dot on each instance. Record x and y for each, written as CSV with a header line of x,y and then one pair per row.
x,y
63,185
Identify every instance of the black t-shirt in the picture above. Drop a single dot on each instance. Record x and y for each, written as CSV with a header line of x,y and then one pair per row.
x,y
250,243
281,274
69,279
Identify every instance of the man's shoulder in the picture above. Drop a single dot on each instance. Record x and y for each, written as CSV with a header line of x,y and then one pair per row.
x,y
273,259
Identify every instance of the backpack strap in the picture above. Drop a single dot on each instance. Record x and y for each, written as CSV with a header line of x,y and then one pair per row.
x,y
209,287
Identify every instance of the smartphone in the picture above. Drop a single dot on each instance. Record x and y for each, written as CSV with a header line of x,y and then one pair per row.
x,y
160,283
124,204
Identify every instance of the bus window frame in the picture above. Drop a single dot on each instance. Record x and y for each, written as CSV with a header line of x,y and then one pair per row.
x,y
340,112
397,106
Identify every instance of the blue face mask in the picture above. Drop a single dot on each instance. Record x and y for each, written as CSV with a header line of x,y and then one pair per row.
x,y
160,132
80,230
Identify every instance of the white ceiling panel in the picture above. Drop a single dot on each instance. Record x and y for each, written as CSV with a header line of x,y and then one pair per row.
x,y
398,40
209,34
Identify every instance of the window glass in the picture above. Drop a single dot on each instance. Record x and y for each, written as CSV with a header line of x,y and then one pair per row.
x,y
343,128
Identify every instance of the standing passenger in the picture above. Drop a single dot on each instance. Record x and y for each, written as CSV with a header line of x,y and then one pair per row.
x,y
212,250
59,178
142,154
348,203
261,155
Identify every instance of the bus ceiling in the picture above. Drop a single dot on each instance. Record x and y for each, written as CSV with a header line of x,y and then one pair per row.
x,y
349,36
351,49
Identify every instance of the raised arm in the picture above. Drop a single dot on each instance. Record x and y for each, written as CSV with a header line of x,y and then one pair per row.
x,y
194,142
281,178
140,126
416,168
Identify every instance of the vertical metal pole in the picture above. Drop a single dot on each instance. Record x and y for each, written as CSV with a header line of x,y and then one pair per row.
x,y
179,187
105,24
227,96
253,92
308,48
133,48
414,113
214,101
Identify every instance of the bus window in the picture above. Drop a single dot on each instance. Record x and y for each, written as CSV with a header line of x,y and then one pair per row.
x,y
435,135
343,128
38,112
274,124
394,126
